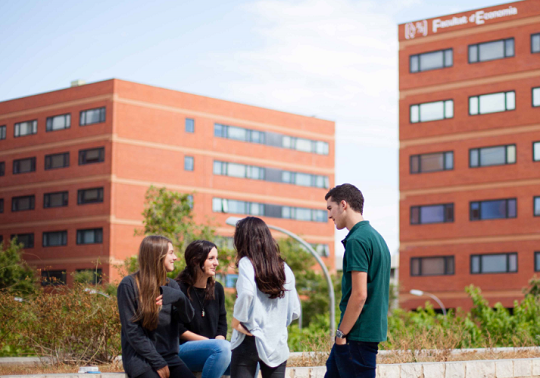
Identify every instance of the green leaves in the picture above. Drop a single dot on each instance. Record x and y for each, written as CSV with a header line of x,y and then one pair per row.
x,y
16,277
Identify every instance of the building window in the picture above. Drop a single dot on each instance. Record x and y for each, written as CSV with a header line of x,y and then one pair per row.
x,y
535,97
431,60
322,250
494,263
57,161
57,199
53,277
439,161
432,214
482,52
27,240
24,165
188,163
2,132
220,205
270,139
537,261
1,205
25,128
536,210
432,266
91,155
492,103
498,155
90,276
269,174
536,151
535,43
190,125
54,238
432,111
23,203
59,122
230,280
493,209
91,116
2,168
86,196
90,236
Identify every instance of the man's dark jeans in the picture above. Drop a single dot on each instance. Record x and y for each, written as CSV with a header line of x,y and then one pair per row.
x,y
356,359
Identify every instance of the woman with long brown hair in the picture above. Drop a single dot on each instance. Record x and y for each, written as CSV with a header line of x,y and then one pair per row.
x,y
267,303
151,307
202,340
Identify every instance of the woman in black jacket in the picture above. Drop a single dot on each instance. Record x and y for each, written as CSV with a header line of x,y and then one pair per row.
x,y
151,306
203,346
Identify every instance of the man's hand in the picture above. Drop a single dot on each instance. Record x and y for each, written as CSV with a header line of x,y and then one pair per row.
x,y
164,372
219,337
159,300
341,341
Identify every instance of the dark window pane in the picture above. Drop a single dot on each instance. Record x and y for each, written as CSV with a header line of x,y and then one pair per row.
x,y
57,161
432,214
537,261
27,240
24,165
58,199
1,205
415,164
90,196
415,267
90,236
53,277
432,162
23,203
93,155
493,209
433,266
512,211
91,116
475,210
55,238
415,215
2,168
2,132
450,265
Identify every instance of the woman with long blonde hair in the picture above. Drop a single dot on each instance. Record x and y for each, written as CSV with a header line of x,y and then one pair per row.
x,y
151,307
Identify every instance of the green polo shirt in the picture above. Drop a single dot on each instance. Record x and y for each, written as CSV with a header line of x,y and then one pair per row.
x,y
366,251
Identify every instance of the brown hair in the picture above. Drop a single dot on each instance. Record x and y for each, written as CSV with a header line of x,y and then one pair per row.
x,y
252,239
196,254
348,193
150,276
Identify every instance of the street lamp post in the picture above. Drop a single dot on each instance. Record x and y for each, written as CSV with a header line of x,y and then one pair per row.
x,y
419,293
231,221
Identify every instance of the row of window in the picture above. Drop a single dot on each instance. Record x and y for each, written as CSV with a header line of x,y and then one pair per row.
x,y
479,264
269,174
54,123
480,104
56,199
478,210
478,52
58,277
478,157
59,238
221,205
270,139
55,161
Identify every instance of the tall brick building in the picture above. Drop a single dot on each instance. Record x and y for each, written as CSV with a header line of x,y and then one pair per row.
x,y
469,121
75,165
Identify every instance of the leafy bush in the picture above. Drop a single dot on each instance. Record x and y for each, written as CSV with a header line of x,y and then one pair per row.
x,y
67,325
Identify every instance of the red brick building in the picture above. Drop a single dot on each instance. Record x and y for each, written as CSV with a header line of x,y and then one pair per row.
x,y
75,165
469,121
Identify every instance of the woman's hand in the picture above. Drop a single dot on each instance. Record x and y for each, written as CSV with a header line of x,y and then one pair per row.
x,y
239,327
219,337
159,301
164,372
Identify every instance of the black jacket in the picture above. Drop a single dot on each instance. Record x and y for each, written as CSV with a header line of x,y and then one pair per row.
x,y
142,349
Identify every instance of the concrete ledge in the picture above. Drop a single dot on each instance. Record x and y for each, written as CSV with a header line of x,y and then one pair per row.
x,y
515,368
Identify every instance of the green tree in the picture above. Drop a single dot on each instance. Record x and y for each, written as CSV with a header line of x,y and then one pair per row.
x,y
16,276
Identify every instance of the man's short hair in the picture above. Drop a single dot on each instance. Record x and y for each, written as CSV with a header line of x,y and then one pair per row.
x,y
348,193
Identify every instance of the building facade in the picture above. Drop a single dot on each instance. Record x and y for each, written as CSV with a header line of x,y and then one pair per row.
x,y
469,121
75,165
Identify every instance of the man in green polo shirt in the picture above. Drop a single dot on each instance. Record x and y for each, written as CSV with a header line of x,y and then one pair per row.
x,y
364,288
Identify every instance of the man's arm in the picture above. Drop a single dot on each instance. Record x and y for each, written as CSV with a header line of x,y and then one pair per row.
x,y
356,303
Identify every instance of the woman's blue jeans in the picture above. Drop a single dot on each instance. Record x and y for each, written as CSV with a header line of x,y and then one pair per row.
x,y
211,357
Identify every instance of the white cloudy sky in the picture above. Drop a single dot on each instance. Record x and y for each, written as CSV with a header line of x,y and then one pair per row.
x,y
335,59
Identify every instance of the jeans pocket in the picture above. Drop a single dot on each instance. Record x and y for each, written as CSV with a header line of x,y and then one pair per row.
x,y
365,355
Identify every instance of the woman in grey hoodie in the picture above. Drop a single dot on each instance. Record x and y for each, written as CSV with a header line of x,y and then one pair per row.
x,y
267,302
